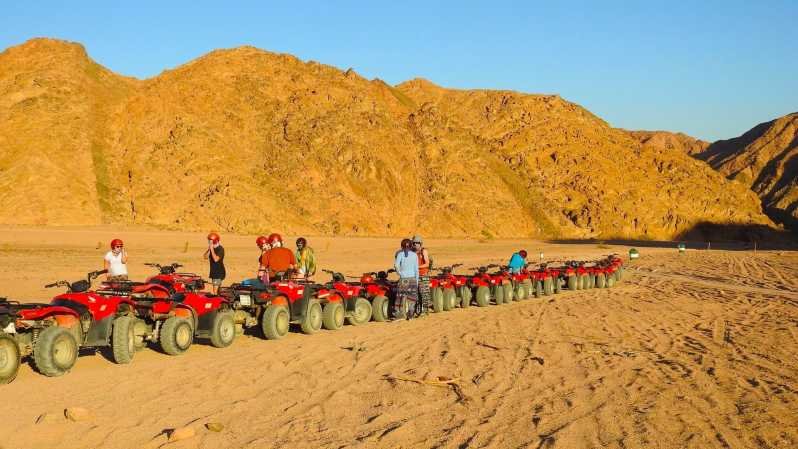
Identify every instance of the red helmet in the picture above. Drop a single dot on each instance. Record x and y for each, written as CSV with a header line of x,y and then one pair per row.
x,y
275,238
214,237
116,242
522,253
260,241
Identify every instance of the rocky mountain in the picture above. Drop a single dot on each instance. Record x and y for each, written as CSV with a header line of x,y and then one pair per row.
x,y
671,141
250,141
766,159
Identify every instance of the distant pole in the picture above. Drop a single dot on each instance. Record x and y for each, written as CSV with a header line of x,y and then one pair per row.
x,y
754,246
709,245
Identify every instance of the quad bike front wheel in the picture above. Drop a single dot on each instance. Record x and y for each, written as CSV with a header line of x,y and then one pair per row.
x,y
520,292
361,314
177,335
313,318
9,358
483,296
55,351
333,316
527,284
223,331
610,281
123,339
437,300
379,308
498,294
449,299
601,281
275,322
465,296
572,282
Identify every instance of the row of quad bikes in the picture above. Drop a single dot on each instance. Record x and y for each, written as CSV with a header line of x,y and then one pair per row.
x,y
169,310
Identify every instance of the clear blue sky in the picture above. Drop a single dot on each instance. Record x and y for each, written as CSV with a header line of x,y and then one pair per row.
x,y
712,69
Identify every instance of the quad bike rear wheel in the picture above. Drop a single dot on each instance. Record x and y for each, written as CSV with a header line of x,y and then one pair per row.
x,y
55,351
9,358
548,286
610,281
482,296
333,316
449,299
498,294
123,339
313,318
508,293
437,300
557,284
528,287
538,289
361,314
177,335
465,296
223,331
275,322
379,308
601,281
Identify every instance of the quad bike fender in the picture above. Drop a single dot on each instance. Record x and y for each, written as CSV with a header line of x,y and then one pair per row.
x,y
279,300
203,305
41,313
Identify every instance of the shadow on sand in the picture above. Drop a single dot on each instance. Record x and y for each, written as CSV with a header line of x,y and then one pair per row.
x,y
733,237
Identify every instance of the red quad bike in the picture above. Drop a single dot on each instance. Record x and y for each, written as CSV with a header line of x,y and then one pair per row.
x,y
504,279
103,320
342,300
485,287
275,306
544,281
174,318
451,289
376,289
521,284
36,330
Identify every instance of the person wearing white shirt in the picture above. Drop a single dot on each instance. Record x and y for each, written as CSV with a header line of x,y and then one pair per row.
x,y
116,261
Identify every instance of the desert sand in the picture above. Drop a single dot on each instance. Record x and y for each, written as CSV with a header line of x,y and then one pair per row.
x,y
690,351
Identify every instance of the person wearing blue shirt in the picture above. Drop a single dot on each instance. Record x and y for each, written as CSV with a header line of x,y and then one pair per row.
x,y
517,261
406,266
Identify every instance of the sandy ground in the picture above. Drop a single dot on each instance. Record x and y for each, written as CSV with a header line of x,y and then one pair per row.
x,y
691,351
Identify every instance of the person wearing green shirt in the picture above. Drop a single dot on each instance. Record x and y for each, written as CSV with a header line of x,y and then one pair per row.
x,y
305,259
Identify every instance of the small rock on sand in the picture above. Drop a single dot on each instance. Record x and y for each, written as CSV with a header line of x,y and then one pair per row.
x,y
181,433
214,426
77,414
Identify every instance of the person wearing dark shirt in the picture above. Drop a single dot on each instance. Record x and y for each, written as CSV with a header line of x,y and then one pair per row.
x,y
215,256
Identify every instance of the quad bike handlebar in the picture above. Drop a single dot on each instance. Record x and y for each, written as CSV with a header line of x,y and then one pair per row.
x,y
165,269
81,285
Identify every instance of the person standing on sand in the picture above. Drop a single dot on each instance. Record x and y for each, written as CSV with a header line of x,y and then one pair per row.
x,y
424,293
406,266
517,261
306,259
215,256
115,261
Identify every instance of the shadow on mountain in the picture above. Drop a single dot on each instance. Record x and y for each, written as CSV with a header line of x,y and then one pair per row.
x,y
733,237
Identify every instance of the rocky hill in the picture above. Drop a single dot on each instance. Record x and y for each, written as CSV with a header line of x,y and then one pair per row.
x,y
671,141
250,141
766,159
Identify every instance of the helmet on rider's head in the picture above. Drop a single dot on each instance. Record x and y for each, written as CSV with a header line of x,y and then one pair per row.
x,y
116,243
214,237
275,239
261,241
406,244
301,242
522,253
